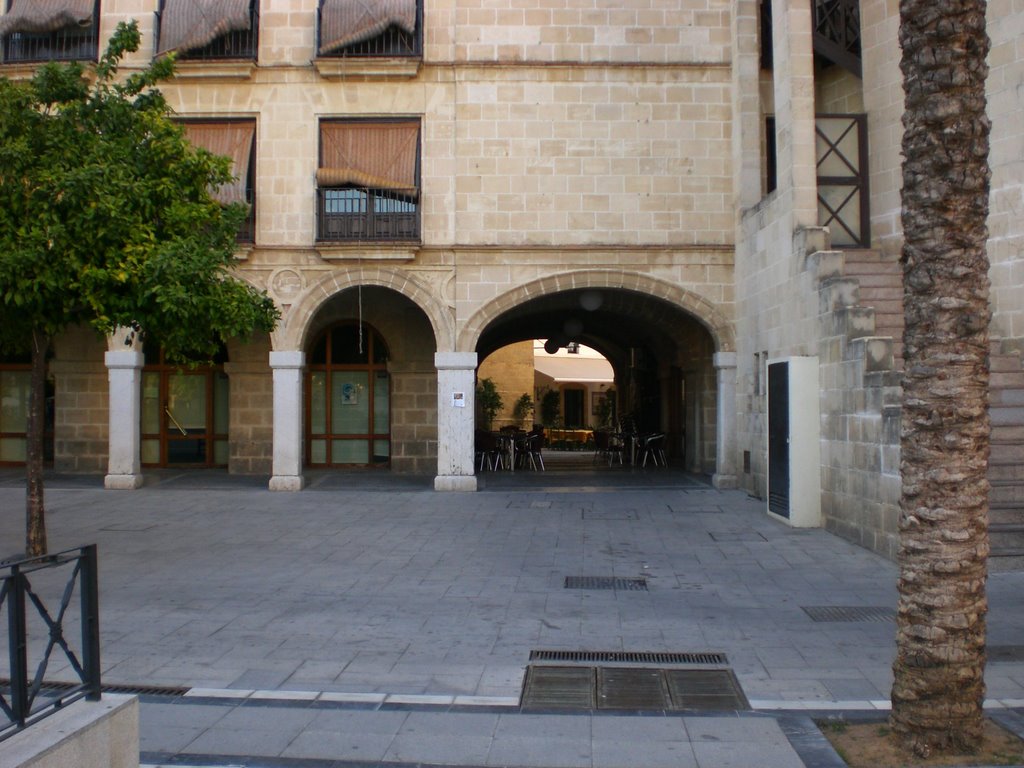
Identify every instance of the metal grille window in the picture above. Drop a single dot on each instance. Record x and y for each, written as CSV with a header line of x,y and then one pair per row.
x,y
368,181
55,30
386,28
842,161
208,30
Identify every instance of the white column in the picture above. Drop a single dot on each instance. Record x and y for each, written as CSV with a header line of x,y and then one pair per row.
x,y
725,428
287,465
456,402
124,464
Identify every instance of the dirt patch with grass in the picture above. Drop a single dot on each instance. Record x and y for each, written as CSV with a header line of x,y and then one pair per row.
x,y
872,745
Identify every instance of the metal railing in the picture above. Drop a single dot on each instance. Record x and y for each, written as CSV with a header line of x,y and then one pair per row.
x,y
837,32
72,43
393,41
44,584
247,232
366,215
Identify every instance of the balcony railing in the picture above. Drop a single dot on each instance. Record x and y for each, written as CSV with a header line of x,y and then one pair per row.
x,y
247,232
367,215
239,44
67,44
842,162
392,42
48,584
837,32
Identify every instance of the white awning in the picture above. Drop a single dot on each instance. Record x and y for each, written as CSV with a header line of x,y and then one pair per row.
x,y
569,368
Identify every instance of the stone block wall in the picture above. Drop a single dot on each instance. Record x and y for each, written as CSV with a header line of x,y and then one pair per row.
x,y
414,420
1006,158
81,402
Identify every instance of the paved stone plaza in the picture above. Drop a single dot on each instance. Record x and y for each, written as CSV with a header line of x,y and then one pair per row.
x,y
370,619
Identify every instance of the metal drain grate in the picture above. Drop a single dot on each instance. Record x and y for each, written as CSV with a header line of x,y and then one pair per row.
x,y
848,613
605,582
139,690
632,688
630,657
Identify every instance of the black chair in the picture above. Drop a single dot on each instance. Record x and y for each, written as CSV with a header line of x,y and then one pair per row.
x,y
653,446
607,446
532,450
488,451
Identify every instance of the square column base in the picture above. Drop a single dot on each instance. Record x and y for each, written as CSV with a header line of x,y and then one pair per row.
x,y
455,483
725,482
122,482
287,483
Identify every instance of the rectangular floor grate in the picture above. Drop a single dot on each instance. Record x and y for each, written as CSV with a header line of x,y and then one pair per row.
x,y
605,582
848,613
631,657
632,688
54,688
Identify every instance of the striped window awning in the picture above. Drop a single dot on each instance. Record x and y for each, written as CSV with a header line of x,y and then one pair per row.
x,y
346,22
234,139
43,16
186,25
375,155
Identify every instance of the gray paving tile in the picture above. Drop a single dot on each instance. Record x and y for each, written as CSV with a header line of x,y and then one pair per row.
x,y
632,752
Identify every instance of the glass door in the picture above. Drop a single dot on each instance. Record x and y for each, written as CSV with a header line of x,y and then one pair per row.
x,y
349,399
184,416
15,379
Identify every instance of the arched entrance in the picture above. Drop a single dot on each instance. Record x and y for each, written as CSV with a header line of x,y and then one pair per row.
x,y
662,341
348,393
184,413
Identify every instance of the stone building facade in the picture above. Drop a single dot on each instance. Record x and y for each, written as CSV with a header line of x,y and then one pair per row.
x,y
705,191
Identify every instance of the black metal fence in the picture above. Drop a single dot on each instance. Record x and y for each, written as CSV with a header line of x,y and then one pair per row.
x,y
37,596
66,44
392,42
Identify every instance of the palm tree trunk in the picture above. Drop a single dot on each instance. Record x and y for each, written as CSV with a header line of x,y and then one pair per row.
x,y
939,684
35,524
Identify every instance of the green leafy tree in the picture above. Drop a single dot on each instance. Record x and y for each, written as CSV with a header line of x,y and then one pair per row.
x,y
107,220
550,409
488,400
939,670
522,409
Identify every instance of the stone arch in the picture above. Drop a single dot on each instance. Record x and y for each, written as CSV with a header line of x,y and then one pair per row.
x,y
719,327
291,331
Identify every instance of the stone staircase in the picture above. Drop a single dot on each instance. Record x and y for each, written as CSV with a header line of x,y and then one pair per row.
x,y
874,313
1006,461
881,289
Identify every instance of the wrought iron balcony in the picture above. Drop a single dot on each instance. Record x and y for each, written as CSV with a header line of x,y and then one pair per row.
x,y
366,215
235,45
392,42
67,44
837,33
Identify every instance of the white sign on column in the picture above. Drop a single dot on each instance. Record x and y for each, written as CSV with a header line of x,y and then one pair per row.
x,y
124,464
287,463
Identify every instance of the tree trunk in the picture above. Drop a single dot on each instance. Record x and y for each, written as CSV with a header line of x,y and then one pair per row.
x,y
35,523
939,683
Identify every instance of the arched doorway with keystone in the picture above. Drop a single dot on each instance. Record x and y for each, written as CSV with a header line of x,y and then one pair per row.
x,y
666,374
